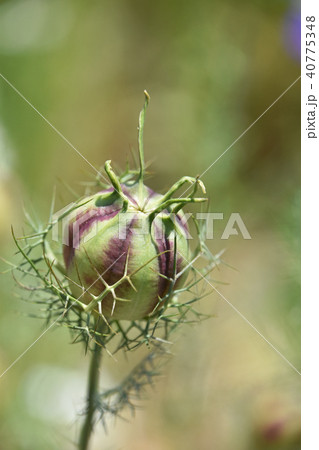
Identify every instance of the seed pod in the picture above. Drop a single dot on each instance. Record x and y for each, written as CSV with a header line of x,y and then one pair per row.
x,y
124,253
127,248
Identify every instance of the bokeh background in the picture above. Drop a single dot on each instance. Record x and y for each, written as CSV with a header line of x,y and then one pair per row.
x,y
211,68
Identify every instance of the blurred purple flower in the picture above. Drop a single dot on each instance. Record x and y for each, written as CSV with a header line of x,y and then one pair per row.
x,y
292,33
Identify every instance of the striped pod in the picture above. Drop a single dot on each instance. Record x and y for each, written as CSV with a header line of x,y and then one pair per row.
x,y
120,232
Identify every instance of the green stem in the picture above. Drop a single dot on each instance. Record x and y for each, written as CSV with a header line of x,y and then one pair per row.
x,y
140,137
93,382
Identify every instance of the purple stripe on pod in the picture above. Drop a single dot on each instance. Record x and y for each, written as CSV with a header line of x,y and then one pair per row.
x,y
68,249
166,263
116,253
112,262
82,224
182,223
89,218
163,244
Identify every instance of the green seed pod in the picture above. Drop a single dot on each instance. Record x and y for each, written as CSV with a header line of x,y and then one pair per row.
x,y
124,254
127,248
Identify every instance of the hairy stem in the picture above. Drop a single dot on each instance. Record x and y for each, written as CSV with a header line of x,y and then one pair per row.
x,y
93,382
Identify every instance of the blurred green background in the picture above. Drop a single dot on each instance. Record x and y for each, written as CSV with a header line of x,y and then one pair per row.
x,y
211,68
